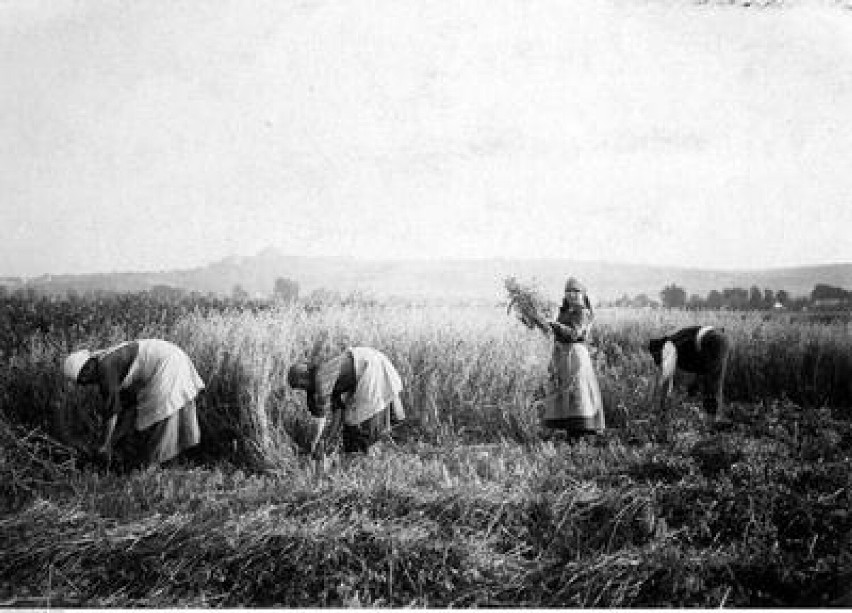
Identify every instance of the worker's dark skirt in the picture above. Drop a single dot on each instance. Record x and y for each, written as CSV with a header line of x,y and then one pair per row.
x,y
364,435
715,350
576,425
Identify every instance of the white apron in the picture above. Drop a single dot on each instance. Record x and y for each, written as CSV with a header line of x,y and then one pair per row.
x,y
578,395
377,384
165,380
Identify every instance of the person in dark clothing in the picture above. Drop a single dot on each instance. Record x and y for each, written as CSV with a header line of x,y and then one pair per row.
x,y
702,350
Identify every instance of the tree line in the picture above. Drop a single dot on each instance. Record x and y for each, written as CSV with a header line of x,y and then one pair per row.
x,y
673,296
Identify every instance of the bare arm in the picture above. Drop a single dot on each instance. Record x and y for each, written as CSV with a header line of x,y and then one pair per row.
x,y
397,409
328,429
319,422
108,434
110,387
112,410
665,378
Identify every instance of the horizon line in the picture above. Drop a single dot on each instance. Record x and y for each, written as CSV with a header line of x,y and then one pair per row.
x,y
413,259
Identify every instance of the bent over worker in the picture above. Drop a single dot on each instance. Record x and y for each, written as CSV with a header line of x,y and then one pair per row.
x,y
358,389
576,406
149,386
702,350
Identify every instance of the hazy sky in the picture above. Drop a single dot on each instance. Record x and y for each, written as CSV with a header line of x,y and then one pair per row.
x,y
167,134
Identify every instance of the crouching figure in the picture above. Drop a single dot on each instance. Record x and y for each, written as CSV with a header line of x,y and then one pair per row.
x,y
149,387
702,350
358,390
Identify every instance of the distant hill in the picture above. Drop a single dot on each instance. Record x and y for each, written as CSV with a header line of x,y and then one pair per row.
x,y
453,279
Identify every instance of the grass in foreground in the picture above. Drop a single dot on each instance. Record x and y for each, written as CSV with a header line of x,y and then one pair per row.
x,y
757,516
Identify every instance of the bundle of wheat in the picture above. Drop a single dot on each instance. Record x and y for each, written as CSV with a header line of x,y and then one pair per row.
x,y
532,309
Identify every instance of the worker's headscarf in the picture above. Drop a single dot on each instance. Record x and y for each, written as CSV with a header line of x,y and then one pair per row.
x,y
74,363
573,284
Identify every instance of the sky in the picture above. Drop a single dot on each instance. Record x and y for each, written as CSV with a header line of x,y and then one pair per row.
x,y
144,136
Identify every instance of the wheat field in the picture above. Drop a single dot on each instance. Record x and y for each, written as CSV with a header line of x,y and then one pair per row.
x,y
470,502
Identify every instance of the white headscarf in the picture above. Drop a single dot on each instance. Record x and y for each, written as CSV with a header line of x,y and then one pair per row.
x,y
74,363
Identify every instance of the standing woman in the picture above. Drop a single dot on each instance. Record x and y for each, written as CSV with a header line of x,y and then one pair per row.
x,y
576,406
148,385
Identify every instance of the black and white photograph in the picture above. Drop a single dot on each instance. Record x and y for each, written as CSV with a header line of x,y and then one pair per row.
x,y
388,304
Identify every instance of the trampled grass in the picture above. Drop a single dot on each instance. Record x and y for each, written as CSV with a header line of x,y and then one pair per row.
x,y
471,502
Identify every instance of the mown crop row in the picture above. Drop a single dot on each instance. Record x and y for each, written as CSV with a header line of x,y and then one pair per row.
x,y
736,519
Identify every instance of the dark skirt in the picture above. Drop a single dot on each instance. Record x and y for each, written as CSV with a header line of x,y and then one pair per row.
x,y
711,378
576,425
362,436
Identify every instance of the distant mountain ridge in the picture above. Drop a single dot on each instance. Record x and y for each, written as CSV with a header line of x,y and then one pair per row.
x,y
447,279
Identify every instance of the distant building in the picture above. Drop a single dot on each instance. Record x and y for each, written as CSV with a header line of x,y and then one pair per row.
x,y
828,302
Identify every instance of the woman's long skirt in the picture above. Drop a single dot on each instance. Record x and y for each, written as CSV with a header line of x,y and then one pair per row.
x,y
576,405
173,435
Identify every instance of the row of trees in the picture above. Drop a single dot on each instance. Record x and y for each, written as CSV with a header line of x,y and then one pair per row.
x,y
18,301
738,298
286,290
283,290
